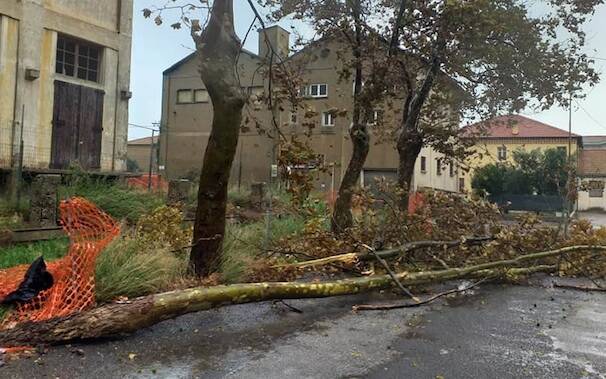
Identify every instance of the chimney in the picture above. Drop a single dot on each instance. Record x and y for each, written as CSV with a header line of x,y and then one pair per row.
x,y
279,40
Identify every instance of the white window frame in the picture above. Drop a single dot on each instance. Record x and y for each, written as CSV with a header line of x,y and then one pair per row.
x,y
318,89
330,117
502,153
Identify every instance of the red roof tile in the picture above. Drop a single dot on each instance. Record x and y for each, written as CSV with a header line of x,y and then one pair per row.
x,y
514,126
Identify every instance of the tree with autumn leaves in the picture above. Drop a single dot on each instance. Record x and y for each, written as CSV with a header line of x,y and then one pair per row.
x,y
450,60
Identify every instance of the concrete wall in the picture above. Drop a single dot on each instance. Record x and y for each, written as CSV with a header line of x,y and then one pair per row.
x,y
30,29
140,154
187,126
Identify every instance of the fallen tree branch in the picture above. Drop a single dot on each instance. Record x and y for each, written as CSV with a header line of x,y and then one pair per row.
x,y
386,254
371,307
127,317
404,290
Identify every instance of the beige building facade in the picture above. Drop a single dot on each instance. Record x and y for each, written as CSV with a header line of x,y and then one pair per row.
x,y
64,75
326,108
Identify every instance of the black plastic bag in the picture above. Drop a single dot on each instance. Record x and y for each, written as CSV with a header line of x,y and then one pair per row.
x,y
36,280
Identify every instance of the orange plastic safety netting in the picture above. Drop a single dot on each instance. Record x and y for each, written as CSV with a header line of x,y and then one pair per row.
x,y
90,230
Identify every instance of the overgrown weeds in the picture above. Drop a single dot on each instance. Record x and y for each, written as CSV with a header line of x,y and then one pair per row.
x,y
116,199
130,267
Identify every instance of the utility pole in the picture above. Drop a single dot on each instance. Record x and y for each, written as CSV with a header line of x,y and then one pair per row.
x,y
151,160
567,200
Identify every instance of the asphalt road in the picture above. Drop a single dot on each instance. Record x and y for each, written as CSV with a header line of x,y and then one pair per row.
x,y
495,332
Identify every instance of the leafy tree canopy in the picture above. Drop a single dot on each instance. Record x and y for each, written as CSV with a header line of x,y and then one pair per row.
x,y
532,172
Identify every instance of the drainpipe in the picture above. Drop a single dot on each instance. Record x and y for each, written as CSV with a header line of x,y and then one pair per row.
x,y
15,105
116,105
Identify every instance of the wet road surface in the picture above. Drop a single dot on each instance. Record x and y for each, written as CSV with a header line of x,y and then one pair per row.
x,y
497,332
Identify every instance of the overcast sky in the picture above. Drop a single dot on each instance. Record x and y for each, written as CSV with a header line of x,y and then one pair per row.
x,y
157,48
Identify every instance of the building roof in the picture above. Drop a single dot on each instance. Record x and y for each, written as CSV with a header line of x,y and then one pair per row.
x,y
143,141
592,163
514,126
192,55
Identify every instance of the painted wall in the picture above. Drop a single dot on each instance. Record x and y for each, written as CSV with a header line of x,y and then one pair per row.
x,y
32,45
486,151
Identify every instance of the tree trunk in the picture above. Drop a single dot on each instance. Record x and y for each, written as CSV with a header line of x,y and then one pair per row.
x,y
409,146
342,218
218,47
410,138
127,317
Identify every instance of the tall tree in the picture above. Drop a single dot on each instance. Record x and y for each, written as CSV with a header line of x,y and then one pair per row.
x,y
363,55
497,52
218,49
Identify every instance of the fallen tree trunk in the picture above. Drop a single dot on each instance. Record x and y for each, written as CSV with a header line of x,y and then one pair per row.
x,y
127,317
391,253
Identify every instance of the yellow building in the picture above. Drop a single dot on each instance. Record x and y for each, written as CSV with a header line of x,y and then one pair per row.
x,y
499,137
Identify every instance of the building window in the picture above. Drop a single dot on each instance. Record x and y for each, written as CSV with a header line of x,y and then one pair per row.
x,y
451,169
461,184
185,96
377,117
423,165
201,96
328,119
502,153
596,192
77,59
438,167
318,90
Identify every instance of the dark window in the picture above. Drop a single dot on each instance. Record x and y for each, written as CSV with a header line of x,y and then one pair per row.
x,y
451,169
78,59
461,184
423,164
438,167
596,192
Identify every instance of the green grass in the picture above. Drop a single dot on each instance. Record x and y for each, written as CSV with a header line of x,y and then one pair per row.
x,y
117,200
11,215
245,242
129,268
26,253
